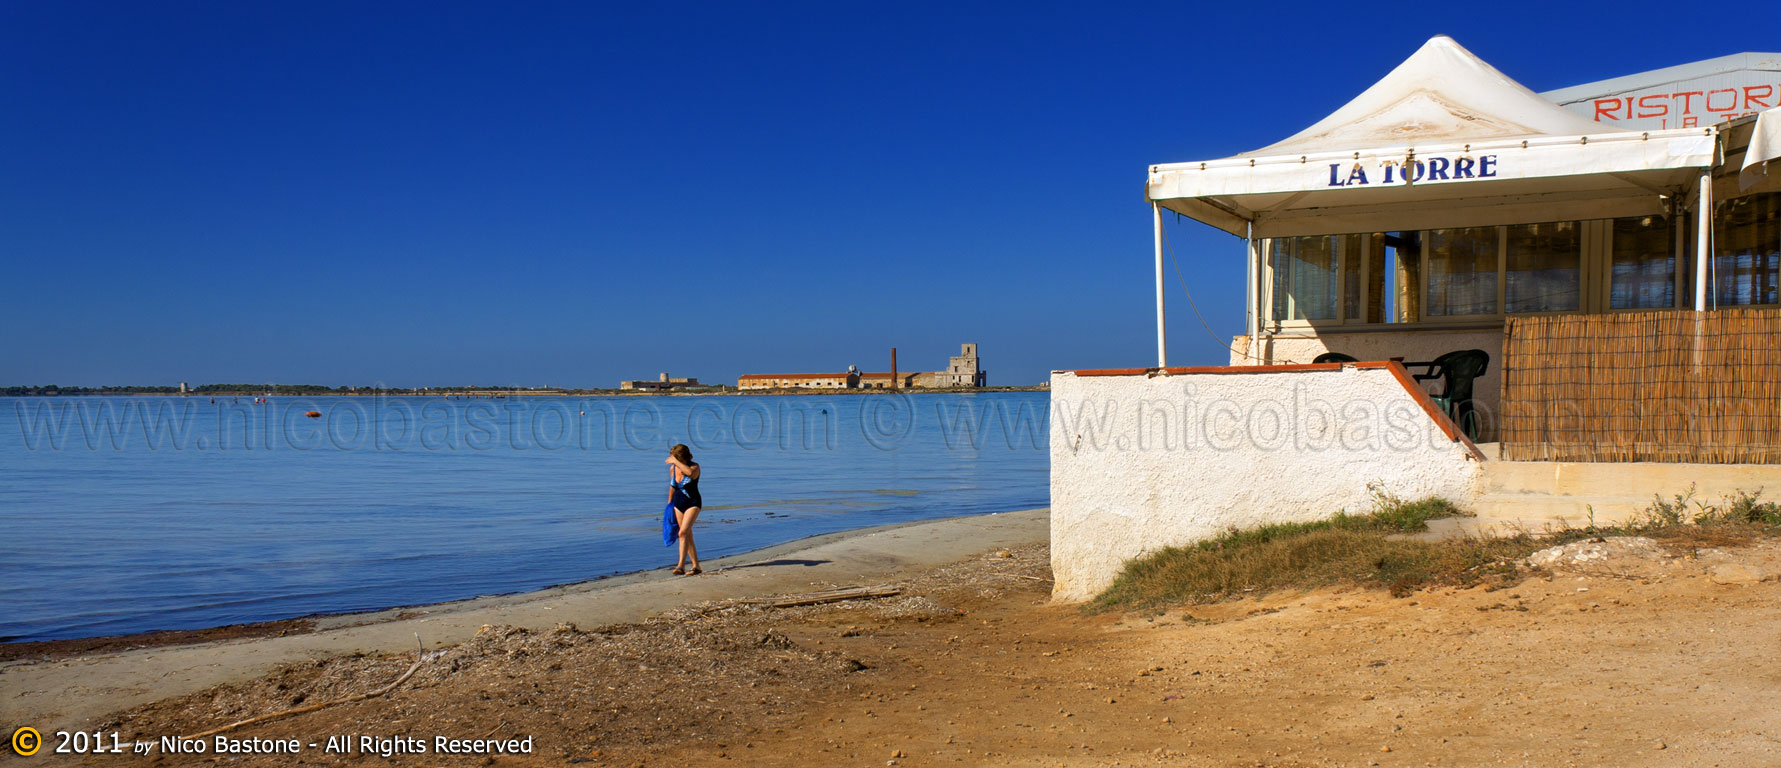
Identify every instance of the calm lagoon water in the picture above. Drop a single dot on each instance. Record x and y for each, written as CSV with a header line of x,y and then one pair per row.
x,y
127,515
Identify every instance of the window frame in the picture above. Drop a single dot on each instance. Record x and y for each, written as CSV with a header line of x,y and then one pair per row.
x,y
1603,295
1594,249
1714,253
1423,315
1339,254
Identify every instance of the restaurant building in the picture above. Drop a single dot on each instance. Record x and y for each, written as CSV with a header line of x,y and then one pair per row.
x,y
1628,240
1455,287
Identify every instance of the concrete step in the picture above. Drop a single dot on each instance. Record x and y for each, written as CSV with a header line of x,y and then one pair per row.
x,y
1480,528
1533,511
1641,480
1537,493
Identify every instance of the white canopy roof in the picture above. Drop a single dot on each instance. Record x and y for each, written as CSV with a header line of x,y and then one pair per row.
x,y
1444,140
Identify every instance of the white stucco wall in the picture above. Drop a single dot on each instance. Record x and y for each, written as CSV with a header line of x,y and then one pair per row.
x,y
1421,344
1143,462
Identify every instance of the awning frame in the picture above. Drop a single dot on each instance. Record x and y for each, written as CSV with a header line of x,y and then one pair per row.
x,y
1613,174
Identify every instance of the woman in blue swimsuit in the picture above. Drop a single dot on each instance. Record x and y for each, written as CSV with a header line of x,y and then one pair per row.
x,y
683,493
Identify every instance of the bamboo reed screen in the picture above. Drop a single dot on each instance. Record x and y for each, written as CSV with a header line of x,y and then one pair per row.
x,y
1676,386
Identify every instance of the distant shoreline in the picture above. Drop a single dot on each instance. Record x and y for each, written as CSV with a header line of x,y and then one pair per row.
x,y
499,394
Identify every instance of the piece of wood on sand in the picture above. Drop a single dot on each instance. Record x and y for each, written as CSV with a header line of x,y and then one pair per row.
x,y
826,596
419,656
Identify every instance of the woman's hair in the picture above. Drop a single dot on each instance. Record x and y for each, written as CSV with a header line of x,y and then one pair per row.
x,y
681,453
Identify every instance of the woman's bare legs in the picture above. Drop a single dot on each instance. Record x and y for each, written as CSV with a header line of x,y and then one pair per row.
x,y
687,548
680,539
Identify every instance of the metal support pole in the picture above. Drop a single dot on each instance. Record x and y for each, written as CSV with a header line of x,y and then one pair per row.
x,y
1162,333
1703,240
1252,251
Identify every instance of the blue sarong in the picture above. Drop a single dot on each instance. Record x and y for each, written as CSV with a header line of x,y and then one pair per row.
x,y
670,527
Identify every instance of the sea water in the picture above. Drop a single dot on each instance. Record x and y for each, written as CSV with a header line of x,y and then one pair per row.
x,y
132,514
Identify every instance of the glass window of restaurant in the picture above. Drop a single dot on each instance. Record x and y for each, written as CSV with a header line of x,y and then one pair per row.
x,y
1305,277
1544,269
1642,264
1483,274
1328,279
1746,267
1462,271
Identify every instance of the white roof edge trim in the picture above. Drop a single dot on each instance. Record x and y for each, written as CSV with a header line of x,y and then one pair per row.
x,y
1535,167
1475,146
1752,60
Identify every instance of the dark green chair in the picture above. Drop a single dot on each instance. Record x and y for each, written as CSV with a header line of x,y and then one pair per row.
x,y
1457,371
1333,357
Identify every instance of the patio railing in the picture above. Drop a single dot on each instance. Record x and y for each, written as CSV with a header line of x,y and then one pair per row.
x,y
1673,386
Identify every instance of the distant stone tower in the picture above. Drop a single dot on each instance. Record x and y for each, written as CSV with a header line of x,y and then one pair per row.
x,y
963,370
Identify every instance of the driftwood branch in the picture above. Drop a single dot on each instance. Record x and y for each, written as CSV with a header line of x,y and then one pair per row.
x,y
826,596
419,656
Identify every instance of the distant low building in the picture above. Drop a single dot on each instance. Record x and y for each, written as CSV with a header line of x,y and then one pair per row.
x,y
888,380
662,383
844,380
963,370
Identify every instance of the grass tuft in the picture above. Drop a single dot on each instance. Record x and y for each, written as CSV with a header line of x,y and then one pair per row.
x,y
1363,550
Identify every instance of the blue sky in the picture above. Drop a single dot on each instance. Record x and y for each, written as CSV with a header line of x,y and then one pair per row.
x,y
572,194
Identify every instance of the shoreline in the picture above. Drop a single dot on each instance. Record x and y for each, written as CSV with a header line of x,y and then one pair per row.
x,y
73,688
50,650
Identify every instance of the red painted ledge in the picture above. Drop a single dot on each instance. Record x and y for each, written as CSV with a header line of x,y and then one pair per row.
x,y
1214,369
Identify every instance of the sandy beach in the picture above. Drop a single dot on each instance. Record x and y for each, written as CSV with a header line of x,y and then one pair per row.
x,y
74,693
1658,658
